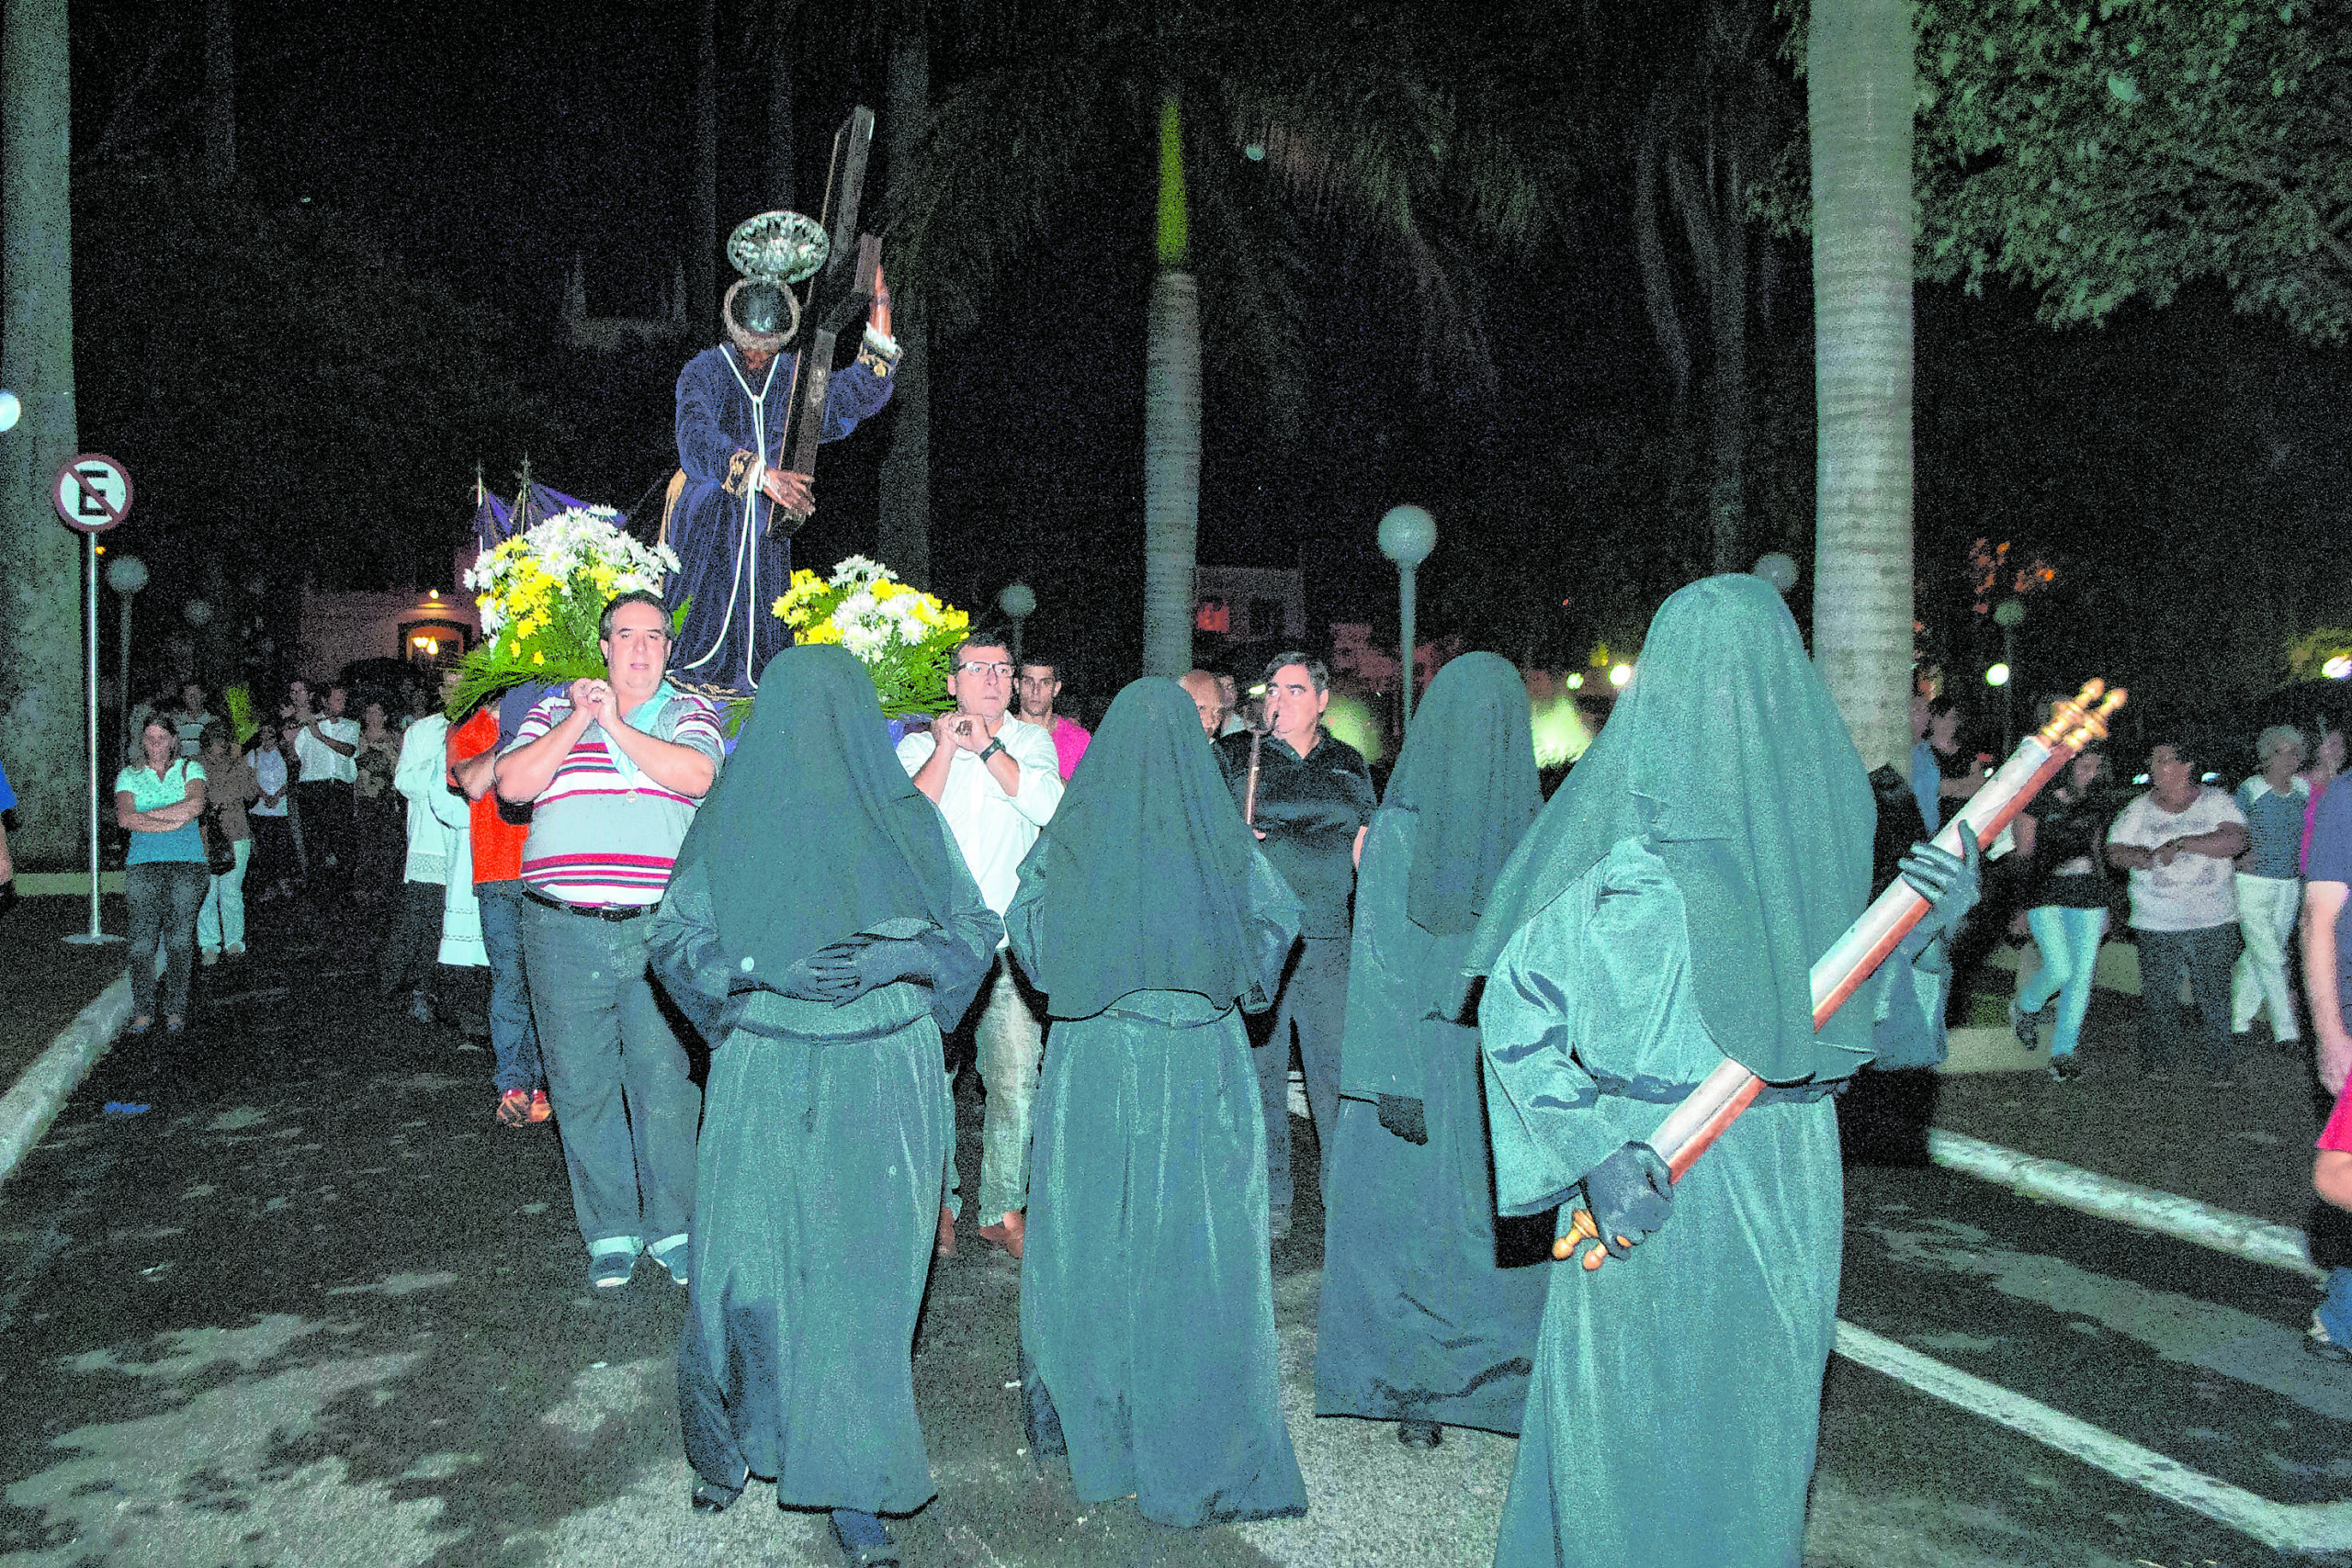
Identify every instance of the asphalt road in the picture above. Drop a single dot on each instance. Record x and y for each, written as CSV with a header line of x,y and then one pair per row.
x,y
316,1308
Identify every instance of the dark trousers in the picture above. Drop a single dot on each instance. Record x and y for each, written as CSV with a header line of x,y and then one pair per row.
x,y
326,806
164,896
1310,1013
275,857
624,1100
411,946
2205,955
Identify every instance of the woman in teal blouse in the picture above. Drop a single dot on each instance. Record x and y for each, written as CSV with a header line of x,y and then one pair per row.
x,y
157,800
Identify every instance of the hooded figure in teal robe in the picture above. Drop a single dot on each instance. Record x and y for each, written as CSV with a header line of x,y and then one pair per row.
x,y
1663,914
1430,1306
818,930
1145,913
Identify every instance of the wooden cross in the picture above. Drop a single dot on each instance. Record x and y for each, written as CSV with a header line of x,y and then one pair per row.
x,y
839,295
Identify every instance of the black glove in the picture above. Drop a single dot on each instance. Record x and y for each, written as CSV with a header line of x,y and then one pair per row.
x,y
1402,1116
1630,1194
1951,884
802,981
848,969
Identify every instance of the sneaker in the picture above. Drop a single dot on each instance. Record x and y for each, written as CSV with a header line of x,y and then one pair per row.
x,y
610,1269
2065,1069
671,1253
210,956
235,949
515,1109
2317,1342
540,1109
2026,1026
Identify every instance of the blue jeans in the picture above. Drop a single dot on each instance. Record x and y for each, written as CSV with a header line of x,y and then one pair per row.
x,y
513,1037
624,1102
2336,1306
164,896
2205,955
2068,942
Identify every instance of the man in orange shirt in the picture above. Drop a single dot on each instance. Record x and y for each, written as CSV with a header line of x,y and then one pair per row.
x,y
498,885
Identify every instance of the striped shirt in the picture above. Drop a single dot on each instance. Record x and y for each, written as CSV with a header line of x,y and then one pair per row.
x,y
602,833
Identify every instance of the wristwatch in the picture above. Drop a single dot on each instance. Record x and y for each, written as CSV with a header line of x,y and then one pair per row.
x,y
991,749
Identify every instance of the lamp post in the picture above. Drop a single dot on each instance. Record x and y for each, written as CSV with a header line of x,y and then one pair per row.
x,y
1408,534
126,575
2008,614
1018,601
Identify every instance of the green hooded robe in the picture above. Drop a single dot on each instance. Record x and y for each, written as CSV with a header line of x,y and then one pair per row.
x,y
1145,912
825,1128
1664,913
1429,1307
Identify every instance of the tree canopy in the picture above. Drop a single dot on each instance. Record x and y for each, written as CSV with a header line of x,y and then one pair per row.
x,y
2102,151
285,389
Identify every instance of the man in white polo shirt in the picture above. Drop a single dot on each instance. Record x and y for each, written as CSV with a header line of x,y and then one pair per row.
x,y
997,780
324,743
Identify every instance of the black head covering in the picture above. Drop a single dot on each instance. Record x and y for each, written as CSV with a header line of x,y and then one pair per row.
x,y
1468,774
815,833
1145,868
1726,753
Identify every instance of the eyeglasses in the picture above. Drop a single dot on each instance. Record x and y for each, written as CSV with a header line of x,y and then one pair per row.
x,y
980,666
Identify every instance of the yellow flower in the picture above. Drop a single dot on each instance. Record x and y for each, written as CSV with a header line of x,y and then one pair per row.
x,y
539,658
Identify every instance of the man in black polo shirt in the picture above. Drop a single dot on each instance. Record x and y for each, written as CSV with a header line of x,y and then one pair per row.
x,y
1313,800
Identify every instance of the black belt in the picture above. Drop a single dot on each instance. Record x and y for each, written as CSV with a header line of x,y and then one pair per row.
x,y
611,913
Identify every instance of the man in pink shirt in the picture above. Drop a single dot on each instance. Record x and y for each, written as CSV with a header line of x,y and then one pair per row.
x,y
1040,683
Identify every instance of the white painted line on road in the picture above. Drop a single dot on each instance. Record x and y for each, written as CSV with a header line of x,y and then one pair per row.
x,y
2282,1527
33,1102
2106,1198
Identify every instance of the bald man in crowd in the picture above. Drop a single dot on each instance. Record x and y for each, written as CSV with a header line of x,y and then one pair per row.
x,y
1208,696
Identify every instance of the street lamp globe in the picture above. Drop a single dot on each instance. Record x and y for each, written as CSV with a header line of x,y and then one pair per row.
x,y
2009,613
198,612
126,574
10,410
1997,675
1777,569
1018,601
1408,534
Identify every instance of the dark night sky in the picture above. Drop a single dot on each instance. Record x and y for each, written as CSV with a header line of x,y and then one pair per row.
x,y
492,143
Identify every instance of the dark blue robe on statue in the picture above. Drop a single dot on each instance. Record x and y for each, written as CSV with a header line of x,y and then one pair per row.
x,y
730,421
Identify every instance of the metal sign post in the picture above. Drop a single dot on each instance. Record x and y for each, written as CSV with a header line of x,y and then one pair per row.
x,y
92,493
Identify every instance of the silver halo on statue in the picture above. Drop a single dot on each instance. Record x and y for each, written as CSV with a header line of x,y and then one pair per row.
x,y
783,248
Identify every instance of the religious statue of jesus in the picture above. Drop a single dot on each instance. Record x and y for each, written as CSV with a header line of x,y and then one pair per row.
x,y
732,400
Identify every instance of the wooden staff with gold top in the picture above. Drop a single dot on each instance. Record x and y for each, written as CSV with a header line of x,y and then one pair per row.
x,y
1853,958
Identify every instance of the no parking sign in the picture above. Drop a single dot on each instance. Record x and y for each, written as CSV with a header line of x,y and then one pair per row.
x,y
91,491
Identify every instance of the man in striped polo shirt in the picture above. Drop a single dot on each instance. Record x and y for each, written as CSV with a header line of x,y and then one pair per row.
x,y
613,771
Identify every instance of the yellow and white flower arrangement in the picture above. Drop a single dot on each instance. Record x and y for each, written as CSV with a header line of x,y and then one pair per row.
x,y
904,637
540,593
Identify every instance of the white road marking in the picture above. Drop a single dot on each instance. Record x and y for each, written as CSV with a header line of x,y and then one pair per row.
x,y
2107,1198
2282,1527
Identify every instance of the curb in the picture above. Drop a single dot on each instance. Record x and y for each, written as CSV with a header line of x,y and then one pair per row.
x,y
2106,1198
34,1100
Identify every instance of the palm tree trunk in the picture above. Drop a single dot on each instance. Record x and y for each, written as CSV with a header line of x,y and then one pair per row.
x,y
1858,92
702,212
220,96
1172,425
782,181
41,700
904,543
1171,472
1727,313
